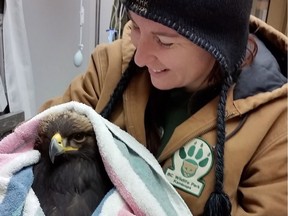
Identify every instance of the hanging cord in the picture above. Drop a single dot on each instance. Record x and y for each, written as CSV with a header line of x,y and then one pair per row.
x,y
78,57
120,19
218,203
117,20
81,24
112,30
120,88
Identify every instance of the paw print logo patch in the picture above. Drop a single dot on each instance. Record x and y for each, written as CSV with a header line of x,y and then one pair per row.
x,y
189,165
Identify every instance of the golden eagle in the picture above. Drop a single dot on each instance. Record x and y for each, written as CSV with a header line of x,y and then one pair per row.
x,y
70,178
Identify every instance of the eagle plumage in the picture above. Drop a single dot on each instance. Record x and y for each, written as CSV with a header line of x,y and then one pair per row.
x,y
70,178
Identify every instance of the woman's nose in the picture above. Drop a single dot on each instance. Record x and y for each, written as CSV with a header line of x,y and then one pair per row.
x,y
145,53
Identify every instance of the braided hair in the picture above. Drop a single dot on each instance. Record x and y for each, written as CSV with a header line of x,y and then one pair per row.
x,y
120,88
219,203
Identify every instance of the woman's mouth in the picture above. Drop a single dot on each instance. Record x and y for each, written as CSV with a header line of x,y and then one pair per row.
x,y
156,71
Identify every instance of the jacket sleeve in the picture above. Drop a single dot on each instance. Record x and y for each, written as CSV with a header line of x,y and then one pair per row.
x,y
263,188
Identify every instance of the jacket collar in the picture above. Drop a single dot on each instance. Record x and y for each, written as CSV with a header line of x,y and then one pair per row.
x,y
128,48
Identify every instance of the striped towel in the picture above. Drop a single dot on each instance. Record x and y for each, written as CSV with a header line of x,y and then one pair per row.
x,y
16,176
141,187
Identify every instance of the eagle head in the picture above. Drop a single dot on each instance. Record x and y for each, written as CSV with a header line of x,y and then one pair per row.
x,y
66,135
70,178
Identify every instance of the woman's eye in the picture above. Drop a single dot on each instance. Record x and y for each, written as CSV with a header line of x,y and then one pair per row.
x,y
167,45
79,137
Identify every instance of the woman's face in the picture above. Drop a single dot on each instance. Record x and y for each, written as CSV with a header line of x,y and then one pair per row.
x,y
172,60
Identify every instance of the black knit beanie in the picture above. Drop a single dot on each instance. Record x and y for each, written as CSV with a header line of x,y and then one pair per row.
x,y
218,26
221,27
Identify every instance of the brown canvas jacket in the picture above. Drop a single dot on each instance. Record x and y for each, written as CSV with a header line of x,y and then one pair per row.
x,y
255,168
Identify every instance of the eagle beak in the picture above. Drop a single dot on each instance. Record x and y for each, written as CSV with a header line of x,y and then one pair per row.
x,y
58,146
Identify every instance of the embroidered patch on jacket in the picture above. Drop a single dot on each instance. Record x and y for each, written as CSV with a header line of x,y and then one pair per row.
x,y
189,165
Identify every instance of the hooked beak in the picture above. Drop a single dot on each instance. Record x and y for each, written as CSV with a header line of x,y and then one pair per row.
x,y
58,147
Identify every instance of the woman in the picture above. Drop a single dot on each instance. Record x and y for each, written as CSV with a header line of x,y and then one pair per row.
x,y
208,102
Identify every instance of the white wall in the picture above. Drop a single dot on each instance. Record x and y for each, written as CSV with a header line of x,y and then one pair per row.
x,y
53,37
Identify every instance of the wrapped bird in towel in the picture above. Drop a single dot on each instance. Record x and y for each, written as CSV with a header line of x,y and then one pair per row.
x,y
139,186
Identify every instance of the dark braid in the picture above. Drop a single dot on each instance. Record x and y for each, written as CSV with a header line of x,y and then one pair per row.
x,y
218,203
120,88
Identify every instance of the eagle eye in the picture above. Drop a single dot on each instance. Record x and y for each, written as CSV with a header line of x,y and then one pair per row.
x,y
79,137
